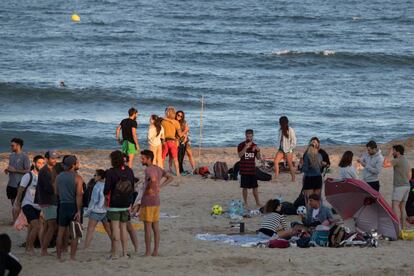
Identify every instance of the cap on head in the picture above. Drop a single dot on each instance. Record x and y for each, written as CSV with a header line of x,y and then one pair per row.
x,y
51,154
69,161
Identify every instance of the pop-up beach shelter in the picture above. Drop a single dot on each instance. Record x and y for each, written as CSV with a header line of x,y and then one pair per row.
x,y
353,198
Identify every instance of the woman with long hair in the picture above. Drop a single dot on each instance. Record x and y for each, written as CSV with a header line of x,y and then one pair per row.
x,y
184,142
287,144
346,170
312,176
155,137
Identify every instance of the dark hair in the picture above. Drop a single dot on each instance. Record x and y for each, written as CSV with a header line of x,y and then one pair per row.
x,y
372,145
315,139
17,141
101,173
132,111
117,159
148,153
315,197
346,159
271,206
284,126
5,243
35,159
182,121
399,148
249,131
157,123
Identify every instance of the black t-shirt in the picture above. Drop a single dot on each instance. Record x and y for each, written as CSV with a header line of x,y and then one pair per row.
x,y
45,194
126,126
9,265
112,177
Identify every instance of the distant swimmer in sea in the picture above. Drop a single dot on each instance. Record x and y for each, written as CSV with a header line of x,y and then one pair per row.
x,y
62,83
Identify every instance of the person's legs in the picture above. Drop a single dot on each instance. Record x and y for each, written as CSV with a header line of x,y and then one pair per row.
x,y
131,160
396,209
244,193
154,151
51,226
158,154
133,235
279,156
89,234
289,157
107,227
59,242
147,230
256,196
73,248
156,230
403,213
32,235
116,238
190,157
124,238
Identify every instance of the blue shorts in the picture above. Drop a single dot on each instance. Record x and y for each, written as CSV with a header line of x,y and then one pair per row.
x,y
30,212
100,217
67,212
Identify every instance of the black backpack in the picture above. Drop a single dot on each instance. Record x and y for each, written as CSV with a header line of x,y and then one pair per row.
x,y
234,172
221,171
123,191
262,176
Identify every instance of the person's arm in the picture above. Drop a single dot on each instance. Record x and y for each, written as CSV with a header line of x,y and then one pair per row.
x,y
23,184
79,197
376,169
108,182
305,166
242,151
168,179
362,160
118,131
178,129
293,140
388,160
135,137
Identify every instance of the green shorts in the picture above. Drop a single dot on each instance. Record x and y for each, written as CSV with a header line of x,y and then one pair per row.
x,y
128,147
121,216
49,212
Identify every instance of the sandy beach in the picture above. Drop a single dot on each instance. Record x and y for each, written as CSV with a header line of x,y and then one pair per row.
x,y
182,254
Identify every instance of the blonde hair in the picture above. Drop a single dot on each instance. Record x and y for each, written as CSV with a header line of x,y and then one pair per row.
x,y
313,153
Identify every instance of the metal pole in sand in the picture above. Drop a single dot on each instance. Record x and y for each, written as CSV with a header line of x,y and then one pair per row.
x,y
201,129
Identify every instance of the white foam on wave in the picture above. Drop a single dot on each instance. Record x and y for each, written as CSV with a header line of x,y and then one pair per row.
x,y
290,52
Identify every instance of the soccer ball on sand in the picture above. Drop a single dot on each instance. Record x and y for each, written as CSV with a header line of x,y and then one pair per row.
x,y
301,210
216,210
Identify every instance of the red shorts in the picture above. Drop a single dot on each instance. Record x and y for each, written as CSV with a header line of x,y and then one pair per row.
x,y
170,147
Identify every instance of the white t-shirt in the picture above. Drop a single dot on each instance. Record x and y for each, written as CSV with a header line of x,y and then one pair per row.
x,y
153,139
348,172
31,191
315,213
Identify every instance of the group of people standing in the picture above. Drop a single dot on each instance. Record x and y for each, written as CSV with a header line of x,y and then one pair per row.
x,y
315,162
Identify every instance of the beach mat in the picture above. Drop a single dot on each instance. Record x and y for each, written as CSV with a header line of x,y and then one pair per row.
x,y
236,240
137,227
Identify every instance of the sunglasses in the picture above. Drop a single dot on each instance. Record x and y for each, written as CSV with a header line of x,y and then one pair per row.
x,y
178,115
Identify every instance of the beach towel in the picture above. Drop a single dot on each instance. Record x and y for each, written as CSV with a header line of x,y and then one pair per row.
x,y
235,240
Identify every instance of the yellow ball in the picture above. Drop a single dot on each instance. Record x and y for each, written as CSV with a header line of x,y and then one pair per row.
x,y
217,210
75,18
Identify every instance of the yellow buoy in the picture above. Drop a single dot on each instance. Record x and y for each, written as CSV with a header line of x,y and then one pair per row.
x,y
75,18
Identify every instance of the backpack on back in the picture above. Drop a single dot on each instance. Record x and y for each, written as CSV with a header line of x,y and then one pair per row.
x,y
221,171
123,190
26,188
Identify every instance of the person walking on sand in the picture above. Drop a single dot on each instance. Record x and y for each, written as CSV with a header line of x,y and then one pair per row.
x,y
372,161
248,152
172,130
150,202
184,142
129,139
346,170
287,143
25,201
46,198
19,165
401,181
155,138
96,208
119,187
70,191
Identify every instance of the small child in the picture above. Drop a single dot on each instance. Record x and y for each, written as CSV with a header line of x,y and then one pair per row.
x,y
9,264
150,203
346,170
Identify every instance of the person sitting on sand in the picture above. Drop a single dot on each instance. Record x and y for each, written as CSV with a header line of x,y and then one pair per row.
x,y
96,208
25,202
248,153
317,213
372,161
9,264
150,201
346,170
287,143
129,142
274,222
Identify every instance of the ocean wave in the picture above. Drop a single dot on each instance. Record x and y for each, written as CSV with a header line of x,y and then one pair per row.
x,y
297,53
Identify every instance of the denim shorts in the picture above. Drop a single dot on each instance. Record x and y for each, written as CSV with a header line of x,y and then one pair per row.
x,y
100,217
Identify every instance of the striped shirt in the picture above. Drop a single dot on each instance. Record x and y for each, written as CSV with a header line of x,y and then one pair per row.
x,y
248,160
274,222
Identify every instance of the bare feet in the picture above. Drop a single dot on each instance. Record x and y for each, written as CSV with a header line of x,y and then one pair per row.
x,y
30,252
45,254
154,254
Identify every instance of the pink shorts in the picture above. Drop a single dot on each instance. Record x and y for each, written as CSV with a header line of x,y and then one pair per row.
x,y
170,147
